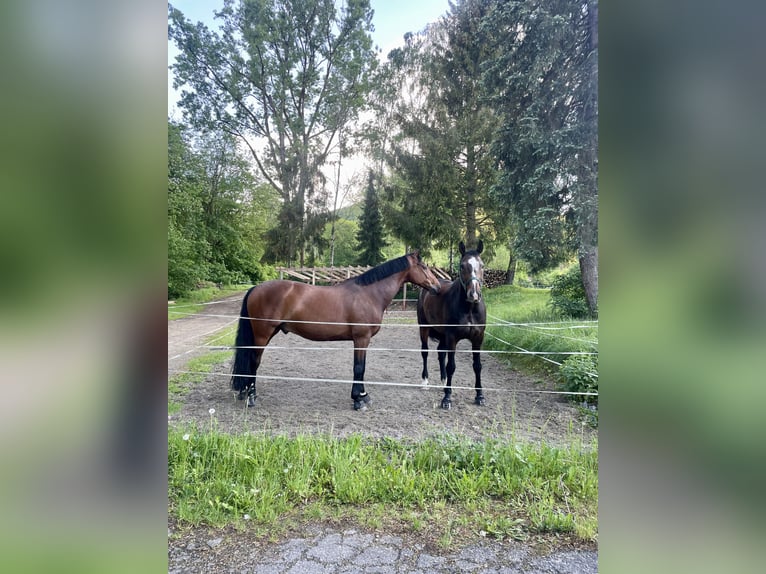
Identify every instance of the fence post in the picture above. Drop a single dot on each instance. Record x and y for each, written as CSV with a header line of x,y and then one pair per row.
x,y
404,297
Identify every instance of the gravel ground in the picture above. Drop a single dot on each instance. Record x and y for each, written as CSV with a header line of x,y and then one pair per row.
x,y
329,550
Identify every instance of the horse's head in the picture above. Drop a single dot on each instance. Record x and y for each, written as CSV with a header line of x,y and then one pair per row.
x,y
471,273
421,275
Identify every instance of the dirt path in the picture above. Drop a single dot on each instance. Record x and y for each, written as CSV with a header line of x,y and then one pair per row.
x,y
513,408
185,335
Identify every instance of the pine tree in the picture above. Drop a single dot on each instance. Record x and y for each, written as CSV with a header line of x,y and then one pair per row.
x,y
370,235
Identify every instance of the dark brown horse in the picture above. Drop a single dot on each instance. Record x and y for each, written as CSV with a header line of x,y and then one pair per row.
x,y
456,312
349,311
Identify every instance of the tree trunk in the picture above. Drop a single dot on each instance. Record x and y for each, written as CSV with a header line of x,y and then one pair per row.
x,y
588,232
510,274
589,271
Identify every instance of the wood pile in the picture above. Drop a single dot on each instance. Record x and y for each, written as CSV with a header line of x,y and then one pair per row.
x,y
492,278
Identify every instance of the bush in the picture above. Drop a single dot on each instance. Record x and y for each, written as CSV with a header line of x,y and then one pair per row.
x,y
579,374
568,295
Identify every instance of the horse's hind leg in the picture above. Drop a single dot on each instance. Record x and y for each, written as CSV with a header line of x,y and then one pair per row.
x,y
358,394
256,362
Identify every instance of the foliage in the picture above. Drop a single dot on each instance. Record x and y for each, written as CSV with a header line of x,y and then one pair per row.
x,y
370,235
544,79
568,295
284,77
579,374
345,243
216,212
218,478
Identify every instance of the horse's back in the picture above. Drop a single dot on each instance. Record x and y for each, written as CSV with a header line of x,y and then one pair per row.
x,y
318,313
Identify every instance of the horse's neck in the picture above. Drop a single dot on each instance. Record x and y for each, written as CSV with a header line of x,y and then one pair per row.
x,y
388,288
460,298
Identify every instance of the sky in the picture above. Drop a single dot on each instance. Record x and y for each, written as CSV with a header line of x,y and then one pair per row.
x,y
392,19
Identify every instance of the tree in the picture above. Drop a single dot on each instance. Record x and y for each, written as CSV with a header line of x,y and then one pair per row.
x,y
544,80
345,244
187,248
217,211
370,234
284,76
442,151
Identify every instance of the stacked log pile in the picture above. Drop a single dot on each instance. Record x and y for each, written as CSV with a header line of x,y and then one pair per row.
x,y
492,278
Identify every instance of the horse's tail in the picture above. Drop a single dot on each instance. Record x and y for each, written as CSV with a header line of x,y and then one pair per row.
x,y
242,356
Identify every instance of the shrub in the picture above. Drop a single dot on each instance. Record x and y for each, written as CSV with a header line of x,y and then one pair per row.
x,y
579,374
568,295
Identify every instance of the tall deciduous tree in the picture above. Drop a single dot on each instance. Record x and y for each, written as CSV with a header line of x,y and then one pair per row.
x,y
284,76
370,235
544,80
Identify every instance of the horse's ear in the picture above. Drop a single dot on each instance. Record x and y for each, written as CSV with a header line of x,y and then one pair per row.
x,y
461,247
480,248
416,253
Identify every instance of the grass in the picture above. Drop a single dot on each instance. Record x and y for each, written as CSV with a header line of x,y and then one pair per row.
x,y
526,305
445,487
194,302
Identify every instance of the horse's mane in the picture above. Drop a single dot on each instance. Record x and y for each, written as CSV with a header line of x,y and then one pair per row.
x,y
382,271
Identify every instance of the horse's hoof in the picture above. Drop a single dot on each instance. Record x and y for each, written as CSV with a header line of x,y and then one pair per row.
x,y
360,405
251,401
241,395
446,404
479,401
424,383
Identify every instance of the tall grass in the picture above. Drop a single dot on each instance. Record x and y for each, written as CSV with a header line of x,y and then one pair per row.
x,y
523,305
497,488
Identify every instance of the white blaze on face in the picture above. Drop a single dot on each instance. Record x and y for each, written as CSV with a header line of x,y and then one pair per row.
x,y
474,286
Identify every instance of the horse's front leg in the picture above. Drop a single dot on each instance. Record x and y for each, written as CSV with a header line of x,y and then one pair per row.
x,y
424,354
442,353
358,394
449,344
476,345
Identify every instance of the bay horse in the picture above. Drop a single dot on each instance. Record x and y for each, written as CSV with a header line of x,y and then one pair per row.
x,y
457,312
349,311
